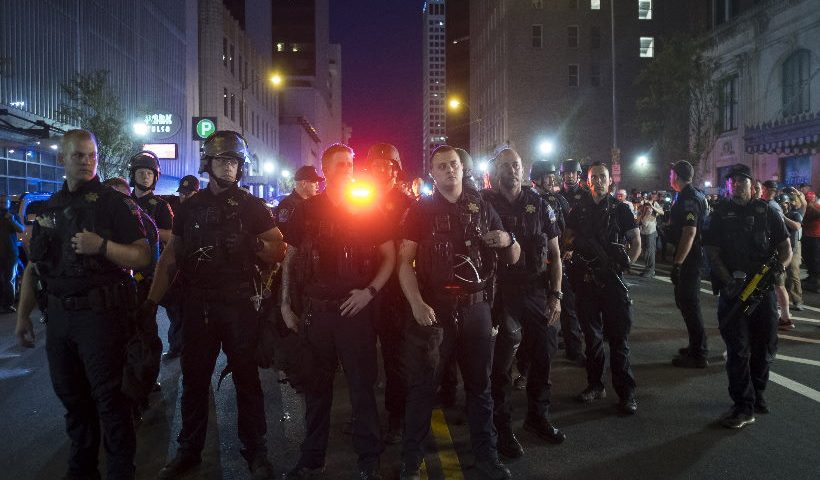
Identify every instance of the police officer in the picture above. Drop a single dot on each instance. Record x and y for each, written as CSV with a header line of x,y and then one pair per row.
x,y
144,171
452,236
571,190
686,228
742,234
81,249
383,167
306,186
527,304
596,228
545,181
217,237
343,254
188,186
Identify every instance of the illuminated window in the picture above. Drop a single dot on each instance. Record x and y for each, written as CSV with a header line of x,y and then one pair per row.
x,y
225,101
645,9
647,47
280,47
224,51
573,75
572,36
296,47
537,36
594,4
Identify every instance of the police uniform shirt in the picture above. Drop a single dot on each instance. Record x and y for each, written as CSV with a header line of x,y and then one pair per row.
x,y
255,218
394,205
527,211
157,208
284,211
419,224
560,206
587,215
747,235
329,230
689,210
573,195
101,210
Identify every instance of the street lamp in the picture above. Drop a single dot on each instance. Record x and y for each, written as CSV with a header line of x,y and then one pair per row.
x,y
483,166
140,129
285,173
643,161
268,167
454,104
546,147
276,80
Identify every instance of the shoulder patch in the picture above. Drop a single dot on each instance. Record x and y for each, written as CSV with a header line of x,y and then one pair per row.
x,y
283,215
691,216
232,202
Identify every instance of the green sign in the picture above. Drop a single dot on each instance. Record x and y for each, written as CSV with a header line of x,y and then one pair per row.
x,y
204,127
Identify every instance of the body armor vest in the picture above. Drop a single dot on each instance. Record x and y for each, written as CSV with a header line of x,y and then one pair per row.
x,y
65,215
328,256
441,267
216,245
745,242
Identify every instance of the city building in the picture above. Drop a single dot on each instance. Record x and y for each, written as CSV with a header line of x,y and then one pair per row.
x,y
310,116
768,116
149,49
457,78
543,80
238,90
434,71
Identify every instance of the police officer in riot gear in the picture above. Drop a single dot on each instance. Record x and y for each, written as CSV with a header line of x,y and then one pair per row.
x,y
340,255
144,172
527,304
571,190
383,166
742,234
685,230
306,186
596,228
217,238
545,181
452,236
82,247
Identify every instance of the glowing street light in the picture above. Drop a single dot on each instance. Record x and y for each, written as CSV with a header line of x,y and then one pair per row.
x,y
285,173
140,129
268,167
546,147
643,161
707,184
277,80
454,104
483,166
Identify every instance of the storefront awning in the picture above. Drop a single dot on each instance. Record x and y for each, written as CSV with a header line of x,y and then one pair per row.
x,y
795,135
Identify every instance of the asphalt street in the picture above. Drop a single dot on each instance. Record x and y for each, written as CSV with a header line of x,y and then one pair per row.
x,y
673,436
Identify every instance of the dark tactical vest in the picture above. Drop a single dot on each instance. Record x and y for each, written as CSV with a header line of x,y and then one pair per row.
x,y
745,241
328,256
444,267
560,207
216,246
528,228
65,272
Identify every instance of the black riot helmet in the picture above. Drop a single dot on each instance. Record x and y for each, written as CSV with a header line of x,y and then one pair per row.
x,y
540,168
224,143
143,159
570,165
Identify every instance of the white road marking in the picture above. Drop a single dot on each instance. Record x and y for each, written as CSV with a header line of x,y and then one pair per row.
x,y
669,280
804,361
795,386
799,339
803,319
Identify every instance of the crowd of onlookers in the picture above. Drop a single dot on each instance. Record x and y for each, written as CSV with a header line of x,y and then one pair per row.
x,y
801,213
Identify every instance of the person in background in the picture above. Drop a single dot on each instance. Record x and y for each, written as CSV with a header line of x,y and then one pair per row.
x,y
811,243
648,212
769,192
793,268
10,226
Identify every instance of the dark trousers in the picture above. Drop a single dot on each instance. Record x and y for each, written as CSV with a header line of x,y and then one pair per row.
x,y
465,332
522,312
7,266
174,312
85,359
811,256
687,298
353,341
751,344
390,307
606,311
209,325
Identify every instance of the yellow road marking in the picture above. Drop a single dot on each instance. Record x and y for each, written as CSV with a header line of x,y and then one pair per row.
x,y
450,466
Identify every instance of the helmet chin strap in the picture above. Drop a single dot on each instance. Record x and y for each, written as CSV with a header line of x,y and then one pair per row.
x,y
224,183
142,188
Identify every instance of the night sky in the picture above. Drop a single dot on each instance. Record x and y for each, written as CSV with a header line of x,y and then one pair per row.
x,y
381,73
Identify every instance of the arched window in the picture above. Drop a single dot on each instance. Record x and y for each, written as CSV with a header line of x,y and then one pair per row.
x,y
796,83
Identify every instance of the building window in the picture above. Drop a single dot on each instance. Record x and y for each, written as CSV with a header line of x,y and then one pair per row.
x,y
225,101
573,76
595,37
233,106
538,4
230,58
647,47
796,82
280,47
595,75
594,4
645,9
572,36
728,104
224,51
240,69
537,36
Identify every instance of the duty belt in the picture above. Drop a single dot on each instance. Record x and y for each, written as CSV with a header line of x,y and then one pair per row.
x,y
459,299
120,295
323,305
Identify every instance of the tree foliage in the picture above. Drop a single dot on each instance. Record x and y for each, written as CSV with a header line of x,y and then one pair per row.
x,y
677,110
94,106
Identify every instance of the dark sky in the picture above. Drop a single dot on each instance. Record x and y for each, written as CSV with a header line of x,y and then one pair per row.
x,y
381,73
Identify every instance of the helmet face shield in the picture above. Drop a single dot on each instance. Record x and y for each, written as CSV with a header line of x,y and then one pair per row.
x,y
147,160
224,144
